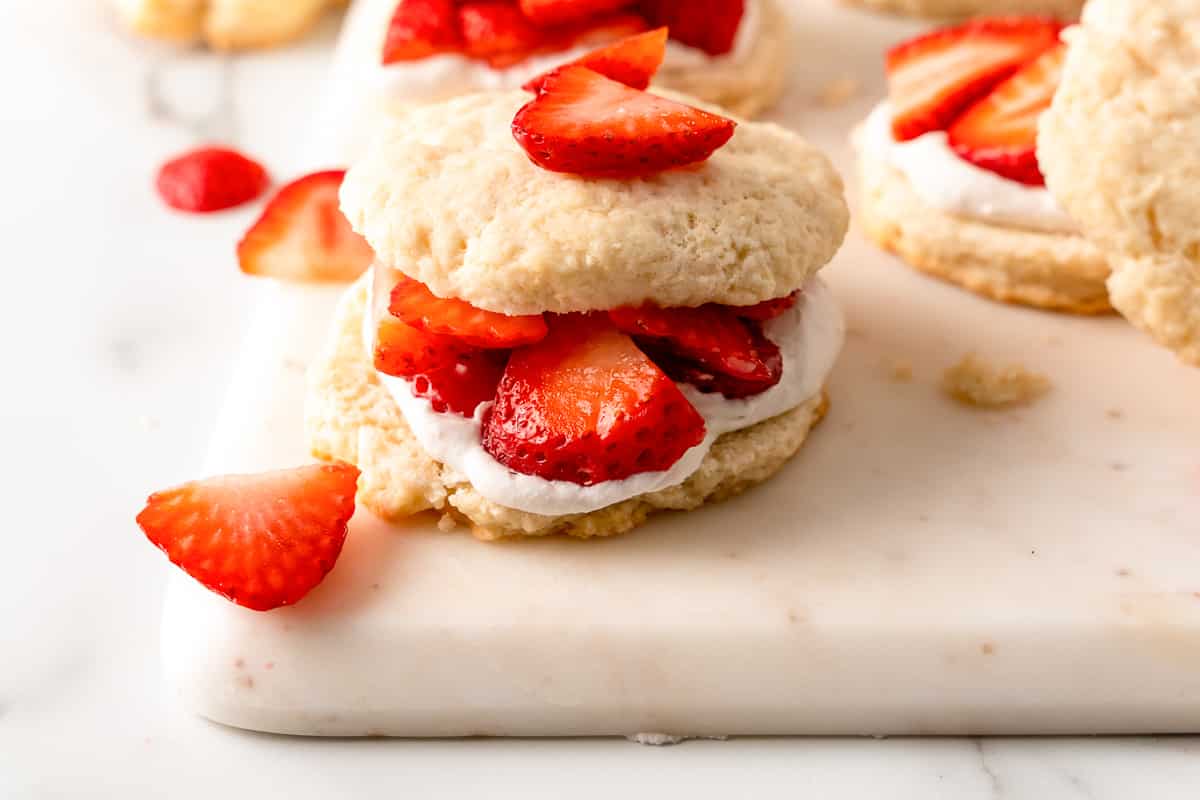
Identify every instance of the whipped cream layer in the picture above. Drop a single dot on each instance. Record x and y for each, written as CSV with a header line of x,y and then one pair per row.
x,y
951,184
448,75
809,335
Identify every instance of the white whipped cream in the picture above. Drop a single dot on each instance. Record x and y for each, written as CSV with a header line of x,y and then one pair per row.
x,y
448,75
956,186
809,336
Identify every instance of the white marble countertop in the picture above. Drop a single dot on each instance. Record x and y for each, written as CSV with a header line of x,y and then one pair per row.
x,y
119,322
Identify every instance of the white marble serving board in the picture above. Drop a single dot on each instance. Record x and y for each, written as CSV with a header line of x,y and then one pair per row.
x,y
920,567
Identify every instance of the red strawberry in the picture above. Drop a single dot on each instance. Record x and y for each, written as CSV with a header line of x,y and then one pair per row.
x,y
999,133
932,78
498,33
767,309
711,337
461,387
422,28
706,380
264,540
710,25
303,236
587,124
568,12
631,61
585,405
406,352
603,30
210,179
412,302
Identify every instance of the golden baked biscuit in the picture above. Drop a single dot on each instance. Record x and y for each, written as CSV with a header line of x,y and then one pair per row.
x,y
447,196
1120,147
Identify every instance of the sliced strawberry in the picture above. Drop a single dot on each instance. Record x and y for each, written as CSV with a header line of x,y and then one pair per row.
x,y
710,25
497,32
712,337
412,302
585,405
587,124
422,28
932,78
706,380
767,309
264,540
568,12
303,236
210,179
405,351
631,61
999,133
461,387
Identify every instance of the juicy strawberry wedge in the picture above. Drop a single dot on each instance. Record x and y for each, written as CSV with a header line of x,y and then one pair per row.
x,y
303,236
767,309
585,405
263,541
999,133
413,303
587,124
711,337
405,352
422,28
932,78
498,33
210,179
565,12
631,61
710,25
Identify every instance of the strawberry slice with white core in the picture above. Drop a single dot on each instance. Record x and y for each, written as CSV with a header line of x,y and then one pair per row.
x,y
586,124
585,405
933,78
413,303
999,133
264,540
631,61
303,236
420,29
566,12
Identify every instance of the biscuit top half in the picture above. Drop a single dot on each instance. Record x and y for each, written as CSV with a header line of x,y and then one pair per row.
x,y
447,196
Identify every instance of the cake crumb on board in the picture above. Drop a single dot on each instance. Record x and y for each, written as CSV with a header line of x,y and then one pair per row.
x,y
976,382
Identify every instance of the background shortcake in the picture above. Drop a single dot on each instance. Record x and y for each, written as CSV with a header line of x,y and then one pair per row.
x,y
585,307
1121,148
948,167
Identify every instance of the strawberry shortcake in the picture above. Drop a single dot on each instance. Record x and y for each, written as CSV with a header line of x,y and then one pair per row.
x,y
587,304
950,178
396,53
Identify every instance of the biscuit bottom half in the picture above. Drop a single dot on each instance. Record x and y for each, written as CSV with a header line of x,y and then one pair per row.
x,y
350,416
1054,271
